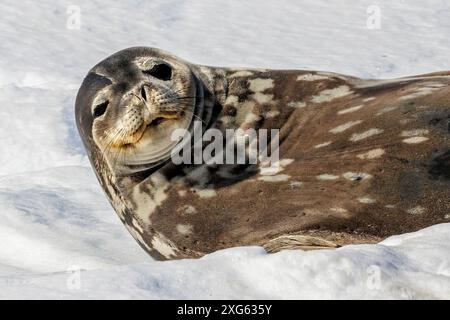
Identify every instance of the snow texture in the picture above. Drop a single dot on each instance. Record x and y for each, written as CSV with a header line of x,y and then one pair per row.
x,y
59,238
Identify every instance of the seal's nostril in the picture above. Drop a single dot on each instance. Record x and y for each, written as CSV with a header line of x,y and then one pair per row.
x,y
143,94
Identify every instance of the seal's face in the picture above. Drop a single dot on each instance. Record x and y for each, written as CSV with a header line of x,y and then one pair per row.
x,y
137,98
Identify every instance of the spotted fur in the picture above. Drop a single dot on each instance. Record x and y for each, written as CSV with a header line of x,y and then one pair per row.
x,y
360,160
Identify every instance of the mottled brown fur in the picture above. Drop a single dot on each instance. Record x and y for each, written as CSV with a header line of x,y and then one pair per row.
x,y
364,160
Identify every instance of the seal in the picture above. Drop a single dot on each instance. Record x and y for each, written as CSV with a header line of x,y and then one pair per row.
x,y
359,160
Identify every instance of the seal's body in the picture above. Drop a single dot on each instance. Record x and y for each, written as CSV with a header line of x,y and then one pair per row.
x,y
360,160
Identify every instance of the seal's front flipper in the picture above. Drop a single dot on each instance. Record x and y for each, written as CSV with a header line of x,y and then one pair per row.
x,y
295,242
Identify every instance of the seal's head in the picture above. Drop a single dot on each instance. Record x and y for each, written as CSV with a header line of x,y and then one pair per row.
x,y
129,104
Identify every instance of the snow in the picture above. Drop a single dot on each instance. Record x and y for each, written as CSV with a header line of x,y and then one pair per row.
x,y
59,236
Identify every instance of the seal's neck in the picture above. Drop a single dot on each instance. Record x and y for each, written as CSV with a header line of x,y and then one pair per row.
x,y
214,82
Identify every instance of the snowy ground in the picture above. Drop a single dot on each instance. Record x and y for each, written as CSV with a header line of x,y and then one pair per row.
x,y
55,220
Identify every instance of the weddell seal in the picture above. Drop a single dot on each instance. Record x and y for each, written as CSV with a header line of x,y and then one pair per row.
x,y
358,160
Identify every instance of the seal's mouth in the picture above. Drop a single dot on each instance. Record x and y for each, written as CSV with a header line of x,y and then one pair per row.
x,y
161,118
153,141
157,121
156,129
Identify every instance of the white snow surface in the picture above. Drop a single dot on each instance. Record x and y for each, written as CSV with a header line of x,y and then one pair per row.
x,y
59,238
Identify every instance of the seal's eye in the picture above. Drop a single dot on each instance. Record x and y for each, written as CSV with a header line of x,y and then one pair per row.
x,y
100,109
160,71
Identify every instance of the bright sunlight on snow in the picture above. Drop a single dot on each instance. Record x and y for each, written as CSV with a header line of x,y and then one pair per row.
x,y
59,237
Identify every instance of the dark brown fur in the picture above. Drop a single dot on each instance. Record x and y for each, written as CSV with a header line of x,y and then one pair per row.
x,y
408,187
